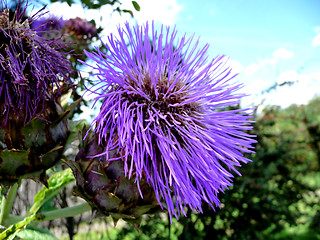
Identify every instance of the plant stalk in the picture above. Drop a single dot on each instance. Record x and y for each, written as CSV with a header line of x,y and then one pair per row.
x,y
63,212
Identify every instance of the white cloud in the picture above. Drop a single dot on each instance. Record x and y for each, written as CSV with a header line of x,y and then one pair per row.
x,y
265,65
316,41
267,62
235,66
65,11
287,76
300,92
164,11
251,69
282,53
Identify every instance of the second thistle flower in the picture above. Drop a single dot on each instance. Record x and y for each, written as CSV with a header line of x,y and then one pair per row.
x,y
164,110
33,75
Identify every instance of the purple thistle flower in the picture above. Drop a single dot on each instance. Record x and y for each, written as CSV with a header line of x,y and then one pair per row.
x,y
31,70
79,28
48,26
165,111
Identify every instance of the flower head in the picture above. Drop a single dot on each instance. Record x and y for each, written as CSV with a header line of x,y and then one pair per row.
x,y
165,111
79,28
31,70
49,27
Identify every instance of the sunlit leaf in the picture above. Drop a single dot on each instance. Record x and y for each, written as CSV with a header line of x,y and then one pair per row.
x,y
55,183
136,6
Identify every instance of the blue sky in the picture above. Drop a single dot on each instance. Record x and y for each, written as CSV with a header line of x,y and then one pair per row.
x,y
271,40
266,41
248,30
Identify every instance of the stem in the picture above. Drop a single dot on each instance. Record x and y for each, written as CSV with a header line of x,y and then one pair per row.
x,y
12,219
63,212
6,203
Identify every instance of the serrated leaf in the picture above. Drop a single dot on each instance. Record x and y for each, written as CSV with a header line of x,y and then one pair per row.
x,y
55,183
136,6
30,234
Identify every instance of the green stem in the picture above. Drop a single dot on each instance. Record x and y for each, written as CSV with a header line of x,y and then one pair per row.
x,y
12,219
14,229
63,212
6,203
50,215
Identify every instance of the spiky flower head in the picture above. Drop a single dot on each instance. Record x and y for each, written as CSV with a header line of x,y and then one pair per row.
x,y
31,70
49,27
33,122
165,111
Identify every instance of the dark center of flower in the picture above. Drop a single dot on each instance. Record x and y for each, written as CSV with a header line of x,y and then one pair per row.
x,y
164,103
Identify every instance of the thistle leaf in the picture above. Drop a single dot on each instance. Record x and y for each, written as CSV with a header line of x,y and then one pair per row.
x,y
56,182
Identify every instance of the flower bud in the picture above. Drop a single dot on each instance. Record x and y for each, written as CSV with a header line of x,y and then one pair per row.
x,y
105,187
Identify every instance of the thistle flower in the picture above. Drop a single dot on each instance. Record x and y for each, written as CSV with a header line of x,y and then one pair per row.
x,y
33,124
80,32
165,112
79,28
48,27
30,67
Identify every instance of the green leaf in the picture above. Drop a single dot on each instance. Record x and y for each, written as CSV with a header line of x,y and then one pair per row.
x,y
55,183
103,2
69,2
14,159
128,11
13,230
136,6
34,133
30,234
